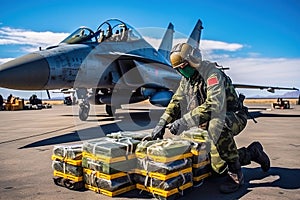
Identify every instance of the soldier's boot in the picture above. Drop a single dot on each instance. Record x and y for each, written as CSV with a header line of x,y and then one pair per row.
x,y
234,180
258,155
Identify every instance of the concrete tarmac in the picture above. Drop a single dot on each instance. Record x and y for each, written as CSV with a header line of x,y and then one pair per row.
x,y
27,139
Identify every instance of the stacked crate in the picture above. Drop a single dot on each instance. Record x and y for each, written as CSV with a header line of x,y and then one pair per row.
x,y
200,148
107,165
164,167
66,163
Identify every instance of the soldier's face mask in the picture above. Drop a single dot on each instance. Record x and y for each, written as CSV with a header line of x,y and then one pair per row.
x,y
186,70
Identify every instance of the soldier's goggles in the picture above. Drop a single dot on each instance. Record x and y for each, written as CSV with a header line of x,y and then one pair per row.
x,y
181,65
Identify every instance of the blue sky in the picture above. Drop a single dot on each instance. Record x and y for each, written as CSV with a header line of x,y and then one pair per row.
x,y
258,40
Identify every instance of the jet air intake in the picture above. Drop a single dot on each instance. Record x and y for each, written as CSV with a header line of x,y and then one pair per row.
x,y
161,98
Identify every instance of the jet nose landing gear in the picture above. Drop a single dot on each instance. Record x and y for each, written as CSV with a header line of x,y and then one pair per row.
x,y
84,105
84,109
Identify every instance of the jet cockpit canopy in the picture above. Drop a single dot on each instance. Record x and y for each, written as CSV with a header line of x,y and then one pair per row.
x,y
81,35
112,30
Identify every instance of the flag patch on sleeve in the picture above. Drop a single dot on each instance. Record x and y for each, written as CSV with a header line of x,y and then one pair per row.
x,y
212,81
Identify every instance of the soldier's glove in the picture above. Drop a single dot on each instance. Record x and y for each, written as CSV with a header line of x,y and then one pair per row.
x,y
159,130
178,126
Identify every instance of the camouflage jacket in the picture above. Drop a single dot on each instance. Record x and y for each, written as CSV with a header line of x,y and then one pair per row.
x,y
208,94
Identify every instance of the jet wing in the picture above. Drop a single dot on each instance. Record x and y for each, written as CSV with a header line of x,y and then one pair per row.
x,y
268,88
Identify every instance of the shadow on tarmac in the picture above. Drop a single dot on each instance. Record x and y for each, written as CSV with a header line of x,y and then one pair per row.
x,y
140,121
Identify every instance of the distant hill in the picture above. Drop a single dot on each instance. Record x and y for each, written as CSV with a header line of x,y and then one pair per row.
x,y
293,94
288,95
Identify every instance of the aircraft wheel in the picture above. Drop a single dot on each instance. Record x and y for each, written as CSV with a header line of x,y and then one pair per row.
x,y
84,110
110,110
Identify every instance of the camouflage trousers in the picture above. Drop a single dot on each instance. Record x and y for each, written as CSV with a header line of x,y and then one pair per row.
x,y
223,134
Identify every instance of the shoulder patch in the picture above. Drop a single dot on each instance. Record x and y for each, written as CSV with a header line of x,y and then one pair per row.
x,y
212,81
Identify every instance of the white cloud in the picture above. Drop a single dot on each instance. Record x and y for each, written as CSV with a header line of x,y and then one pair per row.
x,y
4,60
207,45
218,45
12,36
277,67
281,72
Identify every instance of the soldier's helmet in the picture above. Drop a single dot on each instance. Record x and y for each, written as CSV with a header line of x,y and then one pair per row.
x,y
184,52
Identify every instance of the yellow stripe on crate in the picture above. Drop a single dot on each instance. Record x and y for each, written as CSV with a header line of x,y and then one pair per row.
x,y
201,164
197,153
104,176
160,176
161,192
67,160
68,176
108,159
162,158
109,193
199,178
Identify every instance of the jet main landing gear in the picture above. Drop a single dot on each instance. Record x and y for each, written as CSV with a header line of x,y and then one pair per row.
x,y
110,110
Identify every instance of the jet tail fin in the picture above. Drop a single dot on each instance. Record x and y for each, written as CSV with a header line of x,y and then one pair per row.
x,y
194,39
167,42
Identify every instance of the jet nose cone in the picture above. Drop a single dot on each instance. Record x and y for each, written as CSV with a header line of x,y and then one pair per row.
x,y
28,72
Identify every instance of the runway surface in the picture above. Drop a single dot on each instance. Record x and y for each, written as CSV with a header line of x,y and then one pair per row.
x,y
27,139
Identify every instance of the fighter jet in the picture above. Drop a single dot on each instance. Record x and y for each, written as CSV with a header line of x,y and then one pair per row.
x,y
113,65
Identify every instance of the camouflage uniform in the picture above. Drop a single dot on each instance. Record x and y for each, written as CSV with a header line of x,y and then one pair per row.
x,y
209,100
